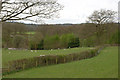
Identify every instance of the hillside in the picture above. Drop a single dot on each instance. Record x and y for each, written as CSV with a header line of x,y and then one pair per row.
x,y
105,65
85,32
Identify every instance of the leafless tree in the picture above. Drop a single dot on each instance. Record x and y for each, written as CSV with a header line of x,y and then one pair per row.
x,y
32,10
101,17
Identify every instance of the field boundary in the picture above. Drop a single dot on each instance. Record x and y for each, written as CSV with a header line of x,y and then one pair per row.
x,y
18,65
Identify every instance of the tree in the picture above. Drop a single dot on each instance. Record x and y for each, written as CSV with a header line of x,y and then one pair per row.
x,y
19,41
32,10
101,17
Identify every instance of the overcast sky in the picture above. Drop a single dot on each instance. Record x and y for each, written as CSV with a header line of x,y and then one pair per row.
x,y
77,11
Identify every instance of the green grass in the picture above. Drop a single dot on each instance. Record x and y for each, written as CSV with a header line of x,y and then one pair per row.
x,y
30,32
9,55
105,65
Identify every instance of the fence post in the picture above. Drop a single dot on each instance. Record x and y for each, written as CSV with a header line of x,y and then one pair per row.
x,y
64,60
72,57
23,66
8,68
36,63
56,60
46,62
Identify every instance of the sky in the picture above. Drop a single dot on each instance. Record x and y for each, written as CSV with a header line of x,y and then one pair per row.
x,y
119,12
77,11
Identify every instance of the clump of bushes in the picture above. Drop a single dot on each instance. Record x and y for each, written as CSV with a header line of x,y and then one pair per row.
x,y
56,41
74,42
69,40
52,42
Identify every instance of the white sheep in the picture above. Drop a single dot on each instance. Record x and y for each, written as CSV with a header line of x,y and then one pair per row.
x,y
31,50
35,51
42,55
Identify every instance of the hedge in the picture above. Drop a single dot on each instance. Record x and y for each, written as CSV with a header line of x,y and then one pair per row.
x,y
39,61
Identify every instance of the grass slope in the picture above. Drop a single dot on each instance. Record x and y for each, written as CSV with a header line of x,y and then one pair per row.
x,y
9,55
105,65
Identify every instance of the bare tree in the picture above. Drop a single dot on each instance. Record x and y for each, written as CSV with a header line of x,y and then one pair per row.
x,y
32,10
101,17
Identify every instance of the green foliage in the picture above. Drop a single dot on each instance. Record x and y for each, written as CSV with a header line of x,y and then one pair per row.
x,y
41,45
52,42
36,41
89,42
64,38
63,41
74,42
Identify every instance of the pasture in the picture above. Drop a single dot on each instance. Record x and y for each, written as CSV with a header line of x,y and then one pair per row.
x,y
9,55
105,65
30,32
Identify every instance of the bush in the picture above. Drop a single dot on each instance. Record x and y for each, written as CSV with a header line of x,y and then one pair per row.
x,y
69,40
41,45
74,42
63,41
52,42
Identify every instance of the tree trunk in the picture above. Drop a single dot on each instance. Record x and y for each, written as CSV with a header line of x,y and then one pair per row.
x,y
0,43
0,50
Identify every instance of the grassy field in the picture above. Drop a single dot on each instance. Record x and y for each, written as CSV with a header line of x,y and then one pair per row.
x,y
30,32
9,55
105,65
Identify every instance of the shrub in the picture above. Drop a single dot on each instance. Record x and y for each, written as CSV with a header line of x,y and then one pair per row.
x,y
69,40
63,41
74,42
52,42
41,45
34,46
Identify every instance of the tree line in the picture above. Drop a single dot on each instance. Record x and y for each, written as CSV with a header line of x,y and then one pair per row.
x,y
57,36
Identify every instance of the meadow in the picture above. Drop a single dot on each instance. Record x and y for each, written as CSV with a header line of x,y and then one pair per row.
x,y
48,39
30,33
10,55
105,65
